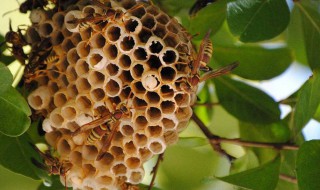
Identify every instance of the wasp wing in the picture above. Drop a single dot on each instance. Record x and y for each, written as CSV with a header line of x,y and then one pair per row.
x,y
107,143
219,72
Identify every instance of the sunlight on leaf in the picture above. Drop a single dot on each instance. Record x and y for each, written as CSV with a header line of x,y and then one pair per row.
x,y
192,142
5,78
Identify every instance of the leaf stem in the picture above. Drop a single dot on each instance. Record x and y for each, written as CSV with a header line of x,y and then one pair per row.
x,y
155,170
288,178
216,141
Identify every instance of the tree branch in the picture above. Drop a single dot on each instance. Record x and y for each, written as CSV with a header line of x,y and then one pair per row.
x,y
216,141
155,170
288,178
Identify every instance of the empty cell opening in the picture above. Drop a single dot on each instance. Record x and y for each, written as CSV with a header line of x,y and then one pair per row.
x,y
64,147
45,29
155,47
67,45
76,158
171,40
127,43
129,148
182,99
56,119
163,19
139,103
58,19
76,38
154,114
53,87
71,73
181,67
126,77
101,110
66,32
154,62
114,100
83,84
97,41
83,103
72,126
72,91
145,153
59,99
168,123
113,33
112,87
141,122
89,152
96,78
183,113
136,177
63,63
169,57
168,74
160,30
117,152
111,51
131,25
97,94
64,80
152,97
106,160
105,180
152,10
36,101
82,67
154,131
140,53
88,11
133,162
148,21
119,169
89,169
138,88
144,35
137,71
140,139
173,27
112,69
168,107
83,49
183,48
72,56
86,33
137,11
57,38
95,59
53,73
171,137
127,130
124,61
156,147
166,91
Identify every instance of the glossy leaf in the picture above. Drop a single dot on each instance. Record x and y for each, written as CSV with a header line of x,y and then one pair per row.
x,y
254,21
311,31
245,102
210,17
307,102
246,162
256,63
16,154
307,165
264,177
6,78
14,117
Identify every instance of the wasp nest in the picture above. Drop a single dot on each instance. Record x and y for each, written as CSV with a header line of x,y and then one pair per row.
x,y
123,53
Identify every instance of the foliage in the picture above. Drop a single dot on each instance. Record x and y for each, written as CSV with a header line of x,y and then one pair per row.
x,y
266,37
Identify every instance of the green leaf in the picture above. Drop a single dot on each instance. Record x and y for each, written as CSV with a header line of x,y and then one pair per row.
x,y
14,117
55,185
6,78
307,102
247,161
212,15
245,102
274,133
144,187
16,154
311,31
256,63
192,142
307,165
264,177
257,20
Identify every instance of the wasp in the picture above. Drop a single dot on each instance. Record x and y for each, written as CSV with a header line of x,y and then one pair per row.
x,y
29,5
52,164
200,63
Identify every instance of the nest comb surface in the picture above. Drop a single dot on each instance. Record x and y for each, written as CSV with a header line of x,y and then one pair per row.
x,y
137,58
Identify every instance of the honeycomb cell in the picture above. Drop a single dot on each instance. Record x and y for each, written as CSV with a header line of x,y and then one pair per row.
x,y
168,123
76,158
72,56
133,162
117,152
140,139
144,35
96,59
83,85
140,54
83,49
168,107
127,43
111,51
148,21
97,94
58,20
97,41
67,45
112,87
157,146
119,169
113,69
70,18
113,33
96,78
59,99
168,74
153,114
124,62
152,98
151,80
89,152
83,103
136,176
169,56
154,131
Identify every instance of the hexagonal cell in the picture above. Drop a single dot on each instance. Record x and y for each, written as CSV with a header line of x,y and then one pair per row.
x,y
89,152
138,89
64,146
105,161
140,139
75,38
140,122
166,91
154,62
137,11
113,33
140,53
56,120
124,61
89,169
133,162
83,49
111,51
119,169
53,87
69,18
59,99
67,45
171,137
182,99
153,114
163,18
148,21
155,45
160,30
69,112
136,177
157,146
97,41
152,10
183,113
152,98
86,33
72,56
76,158
53,137
105,180
154,131
173,26
126,130
83,103
127,43
168,107
56,37
168,123
171,40
169,56
144,35
126,77
150,80
96,78
168,74
97,94
58,19
136,70
112,69
113,87
129,148
133,25
117,152
72,91
145,154
83,85
96,59
46,28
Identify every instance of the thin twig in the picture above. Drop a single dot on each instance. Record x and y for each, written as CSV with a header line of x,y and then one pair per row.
x,y
288,178
155,170
216,141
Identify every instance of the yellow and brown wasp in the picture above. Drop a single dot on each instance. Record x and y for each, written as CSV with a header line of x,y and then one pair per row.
x,y
52,164
201,61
